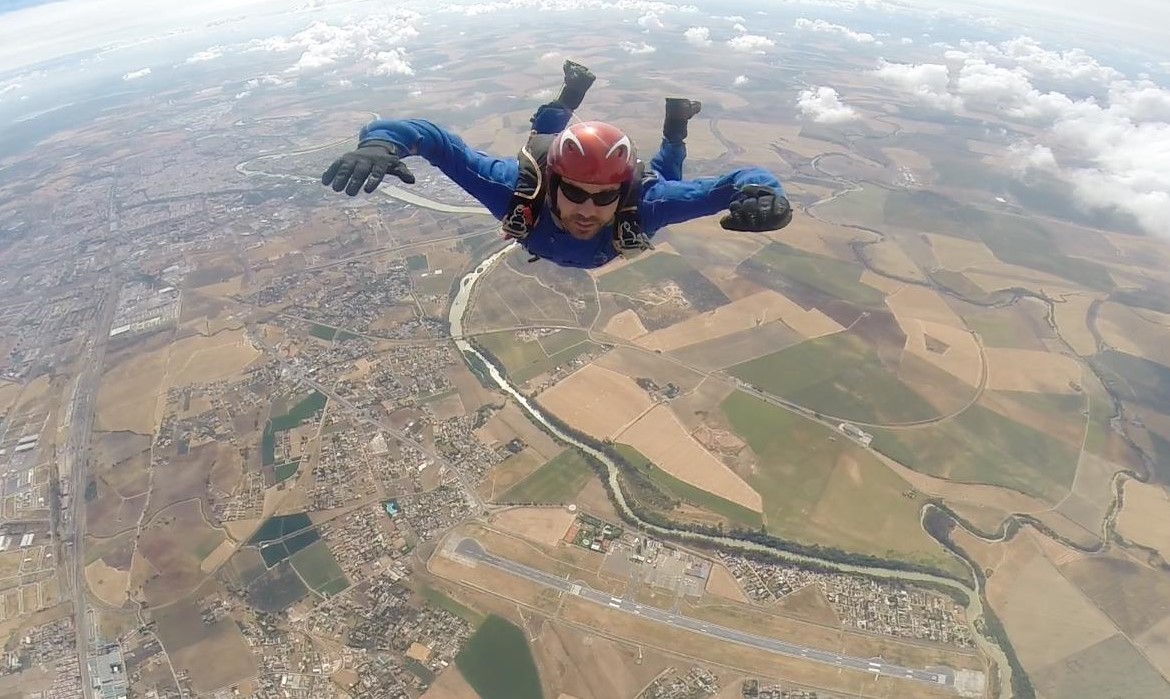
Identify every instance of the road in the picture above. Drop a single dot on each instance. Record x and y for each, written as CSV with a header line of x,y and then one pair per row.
x,y
80,416
471,549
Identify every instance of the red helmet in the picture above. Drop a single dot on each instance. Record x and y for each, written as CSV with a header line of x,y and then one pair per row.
x,y
593,152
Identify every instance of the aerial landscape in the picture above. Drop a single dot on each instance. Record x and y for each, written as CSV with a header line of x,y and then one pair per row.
x,y
261,439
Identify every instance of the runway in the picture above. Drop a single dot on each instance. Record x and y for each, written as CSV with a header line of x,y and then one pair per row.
x,y
471,549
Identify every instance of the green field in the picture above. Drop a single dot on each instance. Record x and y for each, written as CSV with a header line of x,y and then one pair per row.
x,y
960,284
778,265
322,331
863,207
280,526
981,446
442,601
525,360
301,411
558,481
286,471
837,375
1136,379
497,662
276,590
820,488
737,514
415,263
562,340
318,568
638,275
435,284
1012,239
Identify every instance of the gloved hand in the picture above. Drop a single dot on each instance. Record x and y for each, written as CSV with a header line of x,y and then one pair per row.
x,y
369,164
757,208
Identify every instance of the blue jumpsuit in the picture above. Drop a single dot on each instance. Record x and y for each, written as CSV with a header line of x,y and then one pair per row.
x,y
666,198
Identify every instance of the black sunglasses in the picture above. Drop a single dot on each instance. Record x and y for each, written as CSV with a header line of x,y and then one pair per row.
x,y
580,196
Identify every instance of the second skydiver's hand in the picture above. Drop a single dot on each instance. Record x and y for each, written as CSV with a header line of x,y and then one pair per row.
x,y
371,162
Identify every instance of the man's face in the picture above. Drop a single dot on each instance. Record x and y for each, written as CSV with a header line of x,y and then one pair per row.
x,y
579,211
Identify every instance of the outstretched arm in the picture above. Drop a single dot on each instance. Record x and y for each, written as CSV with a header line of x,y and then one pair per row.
x,y
490,180
665,202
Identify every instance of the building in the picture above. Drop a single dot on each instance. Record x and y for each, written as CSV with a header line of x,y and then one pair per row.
x,y
855,432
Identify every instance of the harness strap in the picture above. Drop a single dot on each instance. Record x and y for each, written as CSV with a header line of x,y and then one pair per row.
x,y
528,198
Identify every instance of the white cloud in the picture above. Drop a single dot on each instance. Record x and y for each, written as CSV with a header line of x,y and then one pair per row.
x,y
269,80
640,6
738,19
822,105
1071,66
136,74
10,87
750,43
926,81
392,62
209,54
906,41
638,48
699,36
740,80
649,21
374,41
1113,150
739,28
820,25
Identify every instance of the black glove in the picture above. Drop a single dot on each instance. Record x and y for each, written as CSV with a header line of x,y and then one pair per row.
x,y
369,164
757,208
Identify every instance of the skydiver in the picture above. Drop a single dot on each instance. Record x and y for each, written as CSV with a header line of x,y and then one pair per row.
x,y
602,202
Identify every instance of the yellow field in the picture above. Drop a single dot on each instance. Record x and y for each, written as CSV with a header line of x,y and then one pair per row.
x,y
921,312
106,583
752,311
889,257
8,394
1124,329
722,583
544,525
206,359
957,254
908,158
126,399
1072,322
597,401
1046,617
883,284
660,437
994,276
218,557
1031,370
1091,493
1155,643
626,325
1145,516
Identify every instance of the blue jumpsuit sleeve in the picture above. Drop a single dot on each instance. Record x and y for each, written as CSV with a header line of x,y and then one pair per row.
x,y
665,202
489,179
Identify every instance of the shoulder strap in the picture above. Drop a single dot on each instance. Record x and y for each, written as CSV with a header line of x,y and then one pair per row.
x,y
629,240
524,208
528,195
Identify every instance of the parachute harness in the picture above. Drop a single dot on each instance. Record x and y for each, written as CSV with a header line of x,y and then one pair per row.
x,y
533,187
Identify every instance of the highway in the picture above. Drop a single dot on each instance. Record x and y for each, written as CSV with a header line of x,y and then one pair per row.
x,y
472,550
80,415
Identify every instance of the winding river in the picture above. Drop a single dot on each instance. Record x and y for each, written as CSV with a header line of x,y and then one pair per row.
x,y
459,307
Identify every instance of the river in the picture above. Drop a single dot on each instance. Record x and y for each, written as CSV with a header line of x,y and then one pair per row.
x,y
459,308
